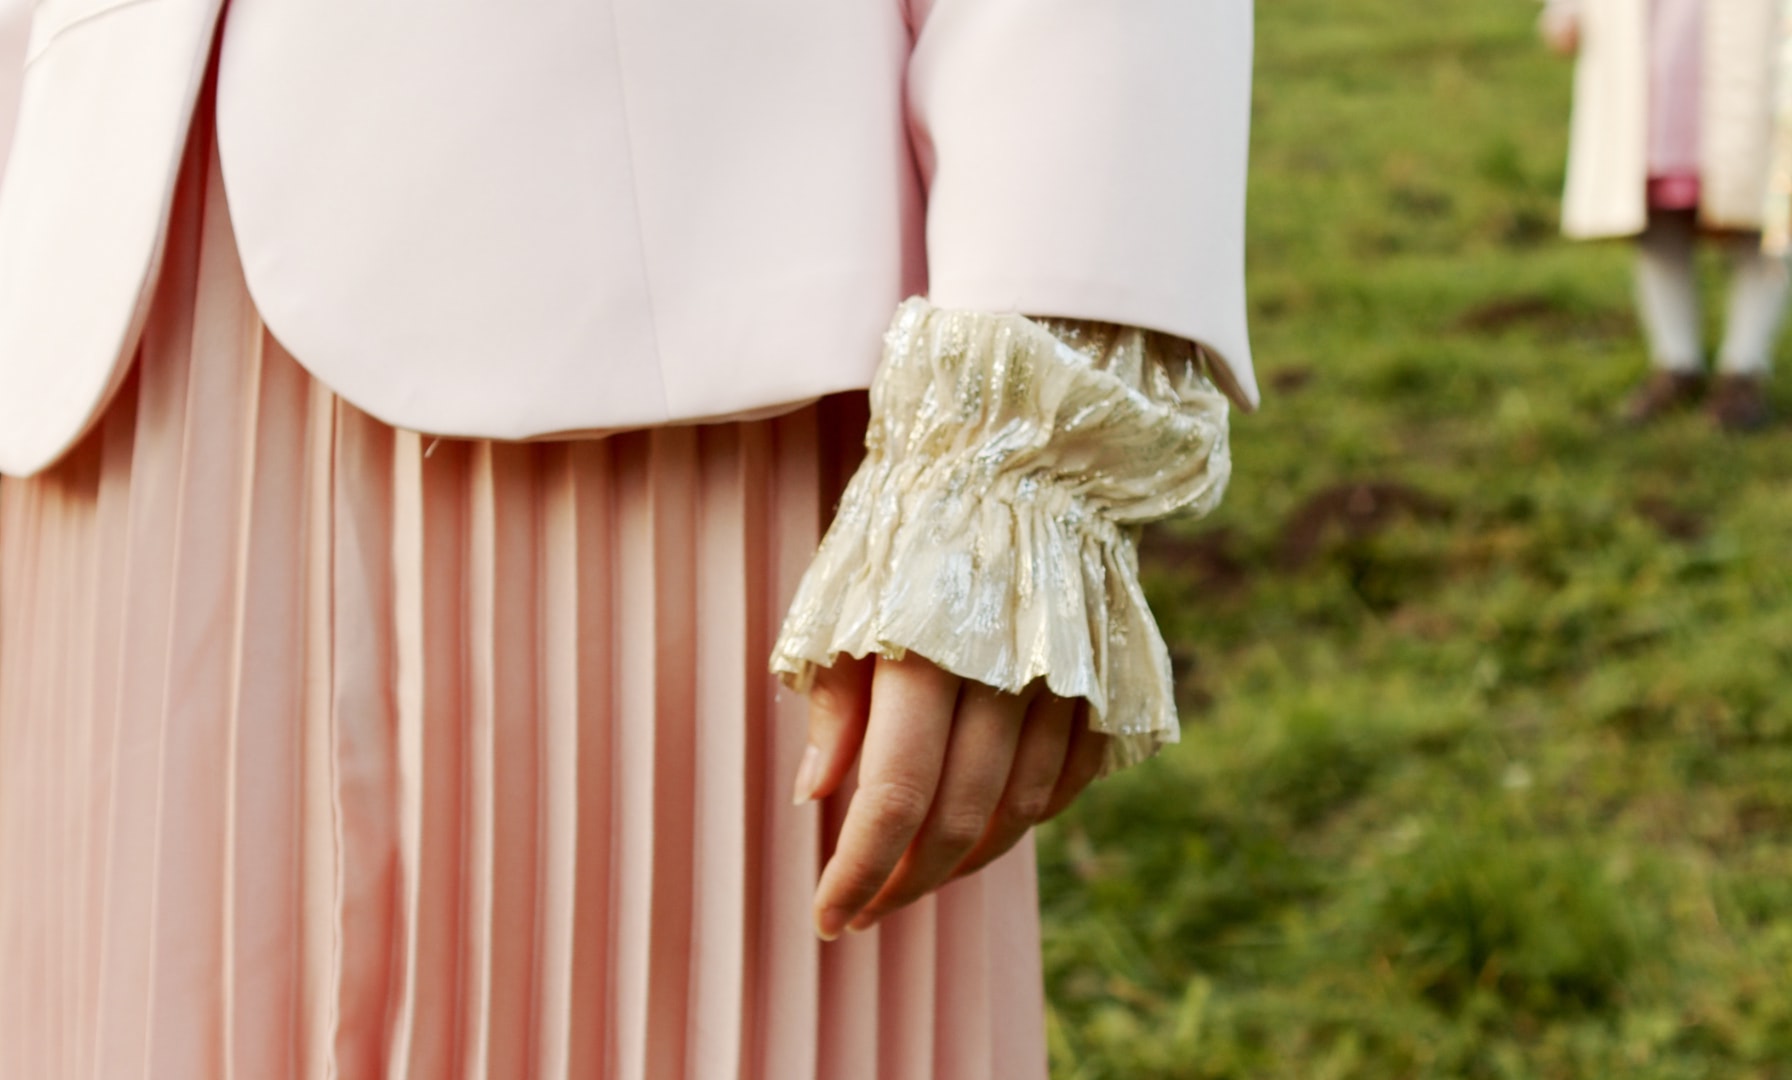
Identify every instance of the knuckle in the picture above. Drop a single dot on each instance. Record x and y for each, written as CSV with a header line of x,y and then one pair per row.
x,y
1028,806
958,832
891,805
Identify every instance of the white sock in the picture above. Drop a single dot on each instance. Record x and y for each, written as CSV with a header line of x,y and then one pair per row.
x,y
1758,290
1667,292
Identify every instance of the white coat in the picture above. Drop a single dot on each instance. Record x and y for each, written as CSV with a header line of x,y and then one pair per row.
x,y
1609,145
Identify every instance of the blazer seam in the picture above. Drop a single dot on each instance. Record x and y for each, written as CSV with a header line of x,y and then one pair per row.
x,y
75,24
634,181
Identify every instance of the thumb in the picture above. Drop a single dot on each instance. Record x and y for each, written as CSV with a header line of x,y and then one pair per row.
x,y
839,705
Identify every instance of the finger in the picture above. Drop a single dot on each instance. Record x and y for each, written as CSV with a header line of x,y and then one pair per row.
x,y
839,705
1038,763
1088,749
912,703
979,759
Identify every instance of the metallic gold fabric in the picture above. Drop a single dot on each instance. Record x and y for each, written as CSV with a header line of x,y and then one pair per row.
x,y
993,525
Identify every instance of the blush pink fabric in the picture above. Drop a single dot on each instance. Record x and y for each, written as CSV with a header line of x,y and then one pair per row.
x,y
498,220
329,750
15,36
1676,67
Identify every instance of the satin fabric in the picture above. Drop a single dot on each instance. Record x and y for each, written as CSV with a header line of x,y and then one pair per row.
x,y
993,528
508,220
330,750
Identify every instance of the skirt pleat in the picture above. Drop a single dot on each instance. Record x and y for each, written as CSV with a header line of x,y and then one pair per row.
x,y
334,751
263,907
430,524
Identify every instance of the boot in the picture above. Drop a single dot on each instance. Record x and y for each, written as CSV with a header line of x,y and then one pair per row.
x,y
1662,393
1738,403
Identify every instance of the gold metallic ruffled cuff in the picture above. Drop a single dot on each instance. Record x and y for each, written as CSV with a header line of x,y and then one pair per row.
x,y
993,525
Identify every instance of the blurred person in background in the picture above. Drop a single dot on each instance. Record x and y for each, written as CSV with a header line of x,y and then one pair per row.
x,y
333,748
1672,140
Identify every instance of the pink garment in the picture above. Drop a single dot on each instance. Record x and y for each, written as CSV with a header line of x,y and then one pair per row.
x,y
509,220
328,750
1676,65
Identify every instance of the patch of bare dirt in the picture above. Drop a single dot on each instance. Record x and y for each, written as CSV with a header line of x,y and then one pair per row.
x,y
1542,312
1357,511
1290,380
1675,523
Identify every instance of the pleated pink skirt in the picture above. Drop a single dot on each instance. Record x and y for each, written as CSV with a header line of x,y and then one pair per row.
x,y
330,750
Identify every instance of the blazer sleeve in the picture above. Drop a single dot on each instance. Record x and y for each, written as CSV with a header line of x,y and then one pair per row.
x,y
1087,160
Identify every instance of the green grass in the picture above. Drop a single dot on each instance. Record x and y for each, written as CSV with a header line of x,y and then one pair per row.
x,y
1487,769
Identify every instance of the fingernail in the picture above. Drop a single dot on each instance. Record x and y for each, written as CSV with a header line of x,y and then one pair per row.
x,y
806,777
829,924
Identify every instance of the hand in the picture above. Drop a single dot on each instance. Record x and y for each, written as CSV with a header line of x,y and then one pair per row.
x,y
951,774
1560,28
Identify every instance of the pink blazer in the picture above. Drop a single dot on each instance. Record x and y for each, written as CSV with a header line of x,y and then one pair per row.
x,y
515,218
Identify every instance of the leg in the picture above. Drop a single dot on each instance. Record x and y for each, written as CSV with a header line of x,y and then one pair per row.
x,y
1758,289
1757,308
1667,296
1667,292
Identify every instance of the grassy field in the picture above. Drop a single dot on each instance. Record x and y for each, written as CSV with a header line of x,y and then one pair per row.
x,y
1488,761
